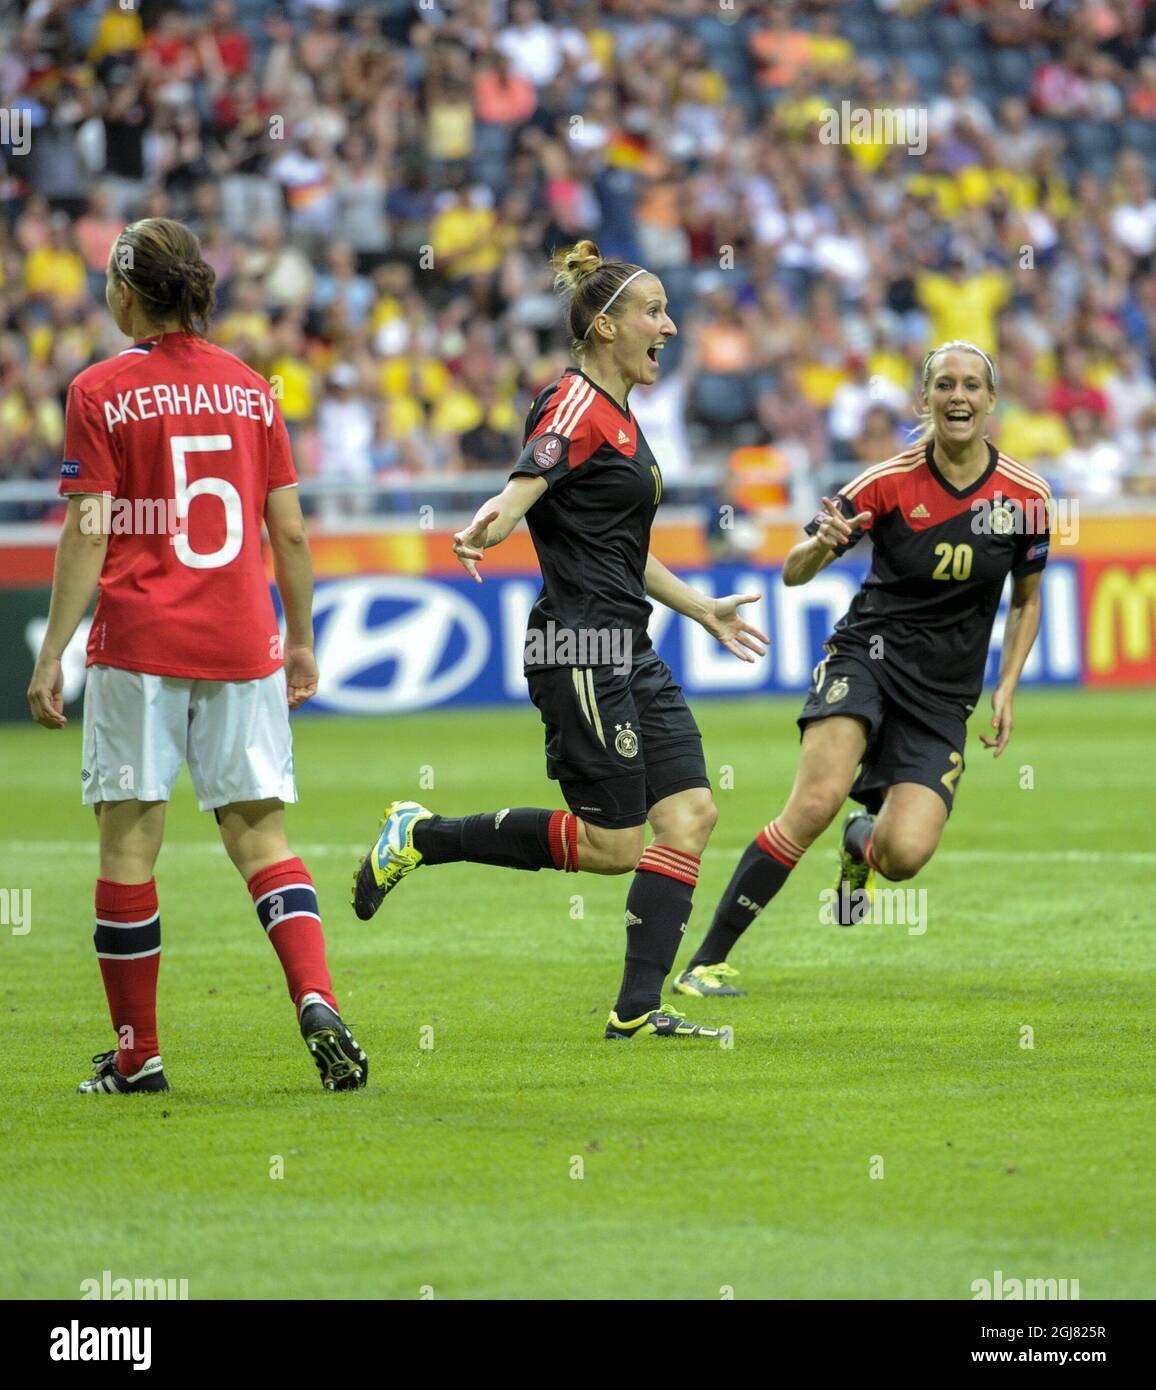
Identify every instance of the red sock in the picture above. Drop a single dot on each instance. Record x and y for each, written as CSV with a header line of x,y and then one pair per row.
x,y
128,946
563,835
287,906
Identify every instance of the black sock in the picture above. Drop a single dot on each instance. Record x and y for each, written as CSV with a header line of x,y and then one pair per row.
x,y
657,910
523,838
762,871
858,833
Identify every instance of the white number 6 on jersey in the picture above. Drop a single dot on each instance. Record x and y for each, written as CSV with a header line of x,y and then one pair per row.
x,y
181,445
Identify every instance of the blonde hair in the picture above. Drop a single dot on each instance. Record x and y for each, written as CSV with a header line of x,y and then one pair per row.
x,y
955,345
591,286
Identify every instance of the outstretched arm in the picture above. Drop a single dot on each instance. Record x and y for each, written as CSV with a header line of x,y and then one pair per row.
x,y
495,520
807,558
718,615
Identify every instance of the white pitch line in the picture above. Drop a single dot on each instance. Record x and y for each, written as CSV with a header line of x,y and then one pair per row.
x,y
319,850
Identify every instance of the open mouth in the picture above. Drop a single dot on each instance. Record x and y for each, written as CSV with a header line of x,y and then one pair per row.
x,y
959,417
653,351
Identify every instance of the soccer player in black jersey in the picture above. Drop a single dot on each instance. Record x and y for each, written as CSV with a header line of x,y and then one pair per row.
x,y
619,736
886,715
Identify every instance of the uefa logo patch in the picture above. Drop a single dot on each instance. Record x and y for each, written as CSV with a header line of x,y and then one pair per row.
x,y
548,450
837,692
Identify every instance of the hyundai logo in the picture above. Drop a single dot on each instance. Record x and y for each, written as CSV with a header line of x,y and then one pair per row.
x,y
387,644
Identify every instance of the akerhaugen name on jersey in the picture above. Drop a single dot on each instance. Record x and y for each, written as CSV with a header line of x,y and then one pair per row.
x,y
217,398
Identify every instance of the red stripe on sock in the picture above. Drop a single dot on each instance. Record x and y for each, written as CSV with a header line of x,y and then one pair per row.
x,y
674,863
869,856
771,840
788,845
299,942
563,835
684,863
690,859
130,986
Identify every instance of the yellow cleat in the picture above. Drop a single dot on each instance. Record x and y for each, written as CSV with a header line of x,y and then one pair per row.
x,y
392,857
663,1023
709,982
856,886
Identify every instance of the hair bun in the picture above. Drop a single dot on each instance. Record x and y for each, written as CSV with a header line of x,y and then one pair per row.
x,y
573,264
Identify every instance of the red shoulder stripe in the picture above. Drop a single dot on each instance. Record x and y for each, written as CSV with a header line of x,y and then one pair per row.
x,y
1022,474
902,463
569,403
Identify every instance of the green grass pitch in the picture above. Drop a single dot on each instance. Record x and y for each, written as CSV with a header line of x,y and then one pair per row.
x,y
703,1170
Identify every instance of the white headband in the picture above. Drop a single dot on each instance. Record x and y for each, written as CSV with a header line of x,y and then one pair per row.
x,y
612,298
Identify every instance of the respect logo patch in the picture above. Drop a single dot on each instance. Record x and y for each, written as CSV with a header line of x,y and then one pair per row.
x,y
70,468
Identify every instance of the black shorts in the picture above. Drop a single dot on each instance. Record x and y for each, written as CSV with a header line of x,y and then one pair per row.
x,y
617,743
902,745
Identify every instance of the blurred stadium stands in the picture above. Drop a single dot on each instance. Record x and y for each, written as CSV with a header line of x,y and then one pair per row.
x,y
378,187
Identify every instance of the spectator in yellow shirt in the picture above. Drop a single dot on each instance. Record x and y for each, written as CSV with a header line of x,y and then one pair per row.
x,y
425,378
56,270
964,305
246,323
493,441
119,31
830,53
464,238
461,410
291,373
1031,431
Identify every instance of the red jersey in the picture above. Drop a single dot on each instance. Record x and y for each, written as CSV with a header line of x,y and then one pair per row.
x,y
186,442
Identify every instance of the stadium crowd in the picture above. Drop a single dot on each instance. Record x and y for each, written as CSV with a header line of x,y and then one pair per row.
x,y
378,185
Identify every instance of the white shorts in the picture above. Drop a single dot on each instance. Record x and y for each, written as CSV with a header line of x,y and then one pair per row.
x,y
139,729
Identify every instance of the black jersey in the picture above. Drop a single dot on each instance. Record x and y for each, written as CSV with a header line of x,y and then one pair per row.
x,y
591,528
940,558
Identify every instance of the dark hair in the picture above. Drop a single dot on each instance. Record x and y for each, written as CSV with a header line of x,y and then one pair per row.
x,y
588,282
161,261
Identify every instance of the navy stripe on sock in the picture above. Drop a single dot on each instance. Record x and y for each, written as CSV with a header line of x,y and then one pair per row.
x,y
127,941
294,900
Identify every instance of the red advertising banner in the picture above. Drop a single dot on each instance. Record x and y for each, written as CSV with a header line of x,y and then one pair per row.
x,y
1118,604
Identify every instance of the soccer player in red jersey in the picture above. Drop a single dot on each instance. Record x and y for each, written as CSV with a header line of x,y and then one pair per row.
x,y
619,736
886,716
174,454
